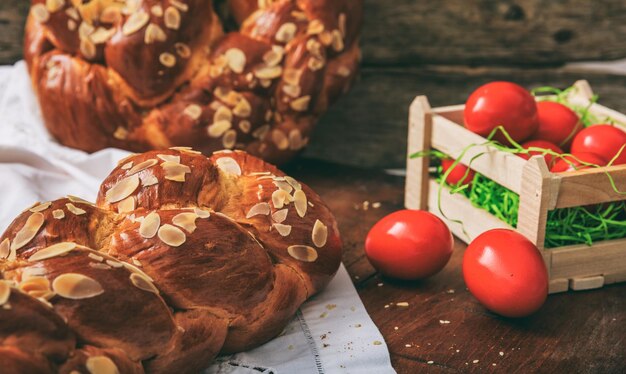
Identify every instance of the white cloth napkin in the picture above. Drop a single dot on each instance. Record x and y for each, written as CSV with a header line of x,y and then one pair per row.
x,y
332,332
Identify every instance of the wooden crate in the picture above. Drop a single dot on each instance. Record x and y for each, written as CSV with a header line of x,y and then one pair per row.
x,y
576,267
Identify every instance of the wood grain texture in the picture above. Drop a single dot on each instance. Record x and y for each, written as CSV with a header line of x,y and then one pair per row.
x,y
408,32
574,332
368,127
12,19
520,32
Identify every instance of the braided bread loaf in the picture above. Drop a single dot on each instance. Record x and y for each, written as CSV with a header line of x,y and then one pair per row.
x,y
182,257
151,74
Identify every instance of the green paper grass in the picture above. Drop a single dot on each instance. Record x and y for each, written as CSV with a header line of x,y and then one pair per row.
x,y
567,226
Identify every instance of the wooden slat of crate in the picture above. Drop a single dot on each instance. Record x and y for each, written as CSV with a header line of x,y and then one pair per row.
x,y
603,258
452,139
458,207
591,186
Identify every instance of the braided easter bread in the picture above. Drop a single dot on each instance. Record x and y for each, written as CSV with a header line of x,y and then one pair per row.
x,y
151,74
182,257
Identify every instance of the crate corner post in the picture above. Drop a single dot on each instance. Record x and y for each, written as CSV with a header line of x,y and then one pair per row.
x,y
419,139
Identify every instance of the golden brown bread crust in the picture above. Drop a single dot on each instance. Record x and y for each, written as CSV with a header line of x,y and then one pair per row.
x,y
154,74
182,257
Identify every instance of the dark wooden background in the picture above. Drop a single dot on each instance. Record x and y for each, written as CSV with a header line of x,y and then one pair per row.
x,y
443,49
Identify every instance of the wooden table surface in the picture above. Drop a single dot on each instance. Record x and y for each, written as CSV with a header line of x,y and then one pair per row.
x,y
574,332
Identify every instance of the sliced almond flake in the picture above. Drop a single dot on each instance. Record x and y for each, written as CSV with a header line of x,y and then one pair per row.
x,y
154,33
171,235
122,189
311,204
337,41
88,48
150,225
186,150
245,126
142,166
186,221
201,213
342,24
142,283
326,38
136,262
40,13
5,292
120,133
37,287
230,139
243,108
74,209
40,207
101,365
115,264
84,30
101,35
292,90
283,186
273,57
72,13
59,249
193,111
300,202
301,104
292,76
28,231
76,286
223,113
268,72
295,140
99,265
294,183
280,216
135,22
260,132
315,27
167,59
228,165
58,214
286,32
5,248
181,6
171,18
236,60
264,177
182,50
127,165
95,257
259,173
79,200
218,129
280,139
319,235
279,198
150,180
283,230
302,253
157,10
170,158
126,205
175,172
259,209
316,64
